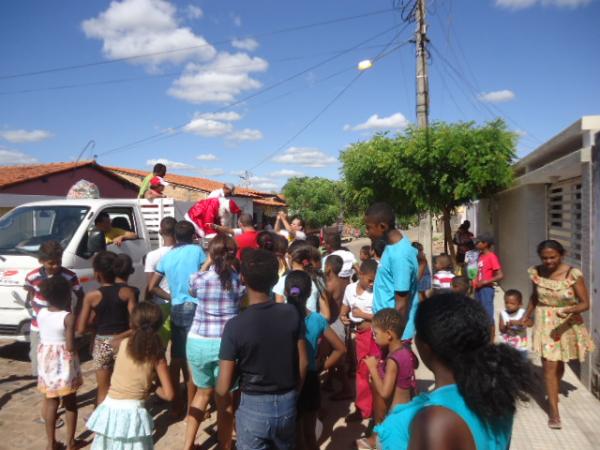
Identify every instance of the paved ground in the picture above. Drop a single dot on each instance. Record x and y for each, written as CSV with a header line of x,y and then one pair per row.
x,y
20,405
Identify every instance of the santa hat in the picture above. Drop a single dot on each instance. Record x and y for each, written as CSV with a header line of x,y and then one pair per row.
x,y
158,181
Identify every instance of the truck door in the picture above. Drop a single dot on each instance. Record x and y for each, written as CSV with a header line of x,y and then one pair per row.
x,y
124,217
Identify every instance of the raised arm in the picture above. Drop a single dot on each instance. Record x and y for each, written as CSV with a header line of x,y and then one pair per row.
x,y
127,236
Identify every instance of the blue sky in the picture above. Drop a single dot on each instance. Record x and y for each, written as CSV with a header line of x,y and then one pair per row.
x,y
533,62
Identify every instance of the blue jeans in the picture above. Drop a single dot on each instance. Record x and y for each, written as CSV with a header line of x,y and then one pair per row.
x,y
266,421
182,316
485,297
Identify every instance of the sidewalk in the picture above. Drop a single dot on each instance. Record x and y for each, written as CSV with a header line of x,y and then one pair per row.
x,y
20,404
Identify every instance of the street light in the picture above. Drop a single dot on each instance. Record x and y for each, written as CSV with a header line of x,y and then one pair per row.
x,y
365,64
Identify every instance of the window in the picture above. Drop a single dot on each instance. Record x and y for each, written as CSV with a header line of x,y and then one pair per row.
x,y
564,205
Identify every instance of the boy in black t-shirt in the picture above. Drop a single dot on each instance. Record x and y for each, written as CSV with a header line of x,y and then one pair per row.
x,y
265,345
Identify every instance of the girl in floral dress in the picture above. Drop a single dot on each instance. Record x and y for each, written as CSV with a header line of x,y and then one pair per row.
x,y
59,375
558,298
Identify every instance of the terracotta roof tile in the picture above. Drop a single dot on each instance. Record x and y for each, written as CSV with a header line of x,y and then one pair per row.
x,y
201,184
10,175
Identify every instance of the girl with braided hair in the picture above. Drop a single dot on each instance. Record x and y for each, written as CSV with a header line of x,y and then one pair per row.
x,y
477,383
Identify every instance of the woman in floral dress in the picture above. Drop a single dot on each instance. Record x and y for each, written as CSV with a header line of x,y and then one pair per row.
x,y
559,296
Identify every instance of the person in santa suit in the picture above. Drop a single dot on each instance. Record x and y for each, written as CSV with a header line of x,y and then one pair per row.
x,y
209,211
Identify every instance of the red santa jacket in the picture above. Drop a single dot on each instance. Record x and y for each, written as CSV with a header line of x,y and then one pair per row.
x,y
210,211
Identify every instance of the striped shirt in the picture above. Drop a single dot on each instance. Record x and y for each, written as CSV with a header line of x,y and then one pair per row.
x,y
442,279
33,281
215,305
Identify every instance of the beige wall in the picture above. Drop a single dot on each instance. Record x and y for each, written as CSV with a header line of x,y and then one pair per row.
x,y
517,220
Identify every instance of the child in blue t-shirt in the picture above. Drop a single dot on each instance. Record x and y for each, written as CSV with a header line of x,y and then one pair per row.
x,y
297,291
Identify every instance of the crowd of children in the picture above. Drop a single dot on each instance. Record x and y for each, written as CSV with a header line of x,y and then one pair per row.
x,y
256,333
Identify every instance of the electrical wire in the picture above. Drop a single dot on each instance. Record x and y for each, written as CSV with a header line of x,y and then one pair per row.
x,y
194,47
475,94
322,111
170,74
169,133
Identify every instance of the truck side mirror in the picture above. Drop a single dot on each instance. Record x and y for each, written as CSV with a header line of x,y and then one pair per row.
x,y
96,241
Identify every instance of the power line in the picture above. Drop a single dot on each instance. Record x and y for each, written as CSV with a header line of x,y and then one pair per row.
x,y
475,93
169,133
167,75
194,47
380,56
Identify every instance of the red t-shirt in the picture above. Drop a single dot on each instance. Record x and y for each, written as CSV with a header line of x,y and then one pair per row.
x,y
488,264
246,240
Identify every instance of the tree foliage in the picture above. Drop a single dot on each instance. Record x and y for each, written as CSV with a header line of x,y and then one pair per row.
x,y
434,169
317,200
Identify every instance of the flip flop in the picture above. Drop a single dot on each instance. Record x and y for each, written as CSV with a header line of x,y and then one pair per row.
x,y
41,421
364,444
554,424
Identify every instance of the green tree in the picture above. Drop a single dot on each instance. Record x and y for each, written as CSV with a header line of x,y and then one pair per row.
x,y
317,200
434,169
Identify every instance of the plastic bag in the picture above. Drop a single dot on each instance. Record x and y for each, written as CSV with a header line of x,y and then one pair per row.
x,y
83,189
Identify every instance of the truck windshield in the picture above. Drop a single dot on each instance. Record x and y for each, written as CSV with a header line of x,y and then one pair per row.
x,y
24,229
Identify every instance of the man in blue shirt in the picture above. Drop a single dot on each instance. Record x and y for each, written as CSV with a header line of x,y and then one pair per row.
x,y
397,276
178,265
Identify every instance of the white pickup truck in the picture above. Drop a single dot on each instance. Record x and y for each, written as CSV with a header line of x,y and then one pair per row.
x,y
24,228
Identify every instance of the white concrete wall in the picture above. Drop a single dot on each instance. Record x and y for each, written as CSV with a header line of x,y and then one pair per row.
x,y
517,220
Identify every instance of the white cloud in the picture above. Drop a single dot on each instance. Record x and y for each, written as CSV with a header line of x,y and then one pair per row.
x,y
9,157
247,134
286,173
206,157
227,116
135,27
219,81
18,136
504,95
305,156
207,127
237,20
245,44
395,121
194,12
522,4
172,165
209,172
263,183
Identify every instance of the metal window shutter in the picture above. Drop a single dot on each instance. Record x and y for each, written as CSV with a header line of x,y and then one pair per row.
x,y
565,219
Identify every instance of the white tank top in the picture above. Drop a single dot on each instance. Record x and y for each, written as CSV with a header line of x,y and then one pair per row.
x,y
52,326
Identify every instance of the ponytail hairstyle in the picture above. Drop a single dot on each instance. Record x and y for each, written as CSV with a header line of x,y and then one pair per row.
x,y
123,266
222,250
297,290
490,377
306,255
145,344
104,264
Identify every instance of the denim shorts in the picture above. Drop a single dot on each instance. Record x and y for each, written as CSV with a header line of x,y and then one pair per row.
x,y
485,297
203,360
266,421
182,317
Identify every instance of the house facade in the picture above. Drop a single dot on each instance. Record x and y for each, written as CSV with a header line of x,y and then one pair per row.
x,y
556,195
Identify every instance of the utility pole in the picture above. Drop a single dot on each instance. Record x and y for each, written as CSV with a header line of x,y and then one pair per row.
x,y
423,108
422,71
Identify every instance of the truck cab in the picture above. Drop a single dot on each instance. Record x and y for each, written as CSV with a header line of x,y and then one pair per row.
x,y
25,228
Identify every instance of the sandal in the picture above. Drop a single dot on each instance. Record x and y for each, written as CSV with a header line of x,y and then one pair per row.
x,y
554,424
364,444
41,421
